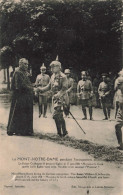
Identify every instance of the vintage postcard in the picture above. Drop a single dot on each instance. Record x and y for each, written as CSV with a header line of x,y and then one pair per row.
x,y
61,97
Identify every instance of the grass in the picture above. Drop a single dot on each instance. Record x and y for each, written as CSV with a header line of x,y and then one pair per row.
x,y
4,91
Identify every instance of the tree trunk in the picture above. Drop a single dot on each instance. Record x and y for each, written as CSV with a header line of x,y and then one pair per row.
x,y
8,80
4,75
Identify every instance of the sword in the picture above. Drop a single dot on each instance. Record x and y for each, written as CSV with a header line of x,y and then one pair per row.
x,y
77,122
74,119
57,99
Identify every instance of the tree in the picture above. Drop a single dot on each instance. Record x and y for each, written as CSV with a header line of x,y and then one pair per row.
x,y
7,59
84,33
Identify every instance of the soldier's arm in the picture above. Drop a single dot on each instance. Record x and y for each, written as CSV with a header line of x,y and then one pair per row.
x,y
46,88
116,86
99,89
91,88
78,88
37,81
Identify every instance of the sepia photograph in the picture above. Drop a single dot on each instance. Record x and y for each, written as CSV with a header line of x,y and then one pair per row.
x,y
61,97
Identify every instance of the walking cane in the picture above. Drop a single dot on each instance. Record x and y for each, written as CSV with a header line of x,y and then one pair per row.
x,y
77,122
71,114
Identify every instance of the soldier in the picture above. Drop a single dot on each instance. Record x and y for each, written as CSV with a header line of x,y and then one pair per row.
x,y
111,81
69,90
42,80
96,83
119,118
85,93
104,95
58,85
117,92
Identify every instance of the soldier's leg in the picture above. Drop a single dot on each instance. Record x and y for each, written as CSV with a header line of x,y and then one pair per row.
x,y
63,124
40,106
58,126
45,110
57,120
104,110
90,112
108,105
109,112
118,132
89,104
61,121
116,109
45,106
84,110
68,109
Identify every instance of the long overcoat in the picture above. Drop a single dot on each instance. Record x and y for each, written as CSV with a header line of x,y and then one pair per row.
x,y
21,111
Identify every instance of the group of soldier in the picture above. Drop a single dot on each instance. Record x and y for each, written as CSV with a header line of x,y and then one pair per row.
x,y
87,93
58,90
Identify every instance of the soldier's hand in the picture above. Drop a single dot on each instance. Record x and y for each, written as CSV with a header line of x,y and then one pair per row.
x,y
56,96
38,90
79,95
36,94
91,95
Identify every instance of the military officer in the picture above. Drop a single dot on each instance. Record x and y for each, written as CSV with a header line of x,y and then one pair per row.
x,y
85,93
117,92
104,91
119,117
69,91
42,80
58,86
96,83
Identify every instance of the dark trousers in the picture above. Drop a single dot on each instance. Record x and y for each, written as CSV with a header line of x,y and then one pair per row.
x,y
117,107
42,105
87,103
106,108
59,121
118,132
90,111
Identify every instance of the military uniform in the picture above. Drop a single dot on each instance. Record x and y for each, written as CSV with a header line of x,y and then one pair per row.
x,y
69,92
96,83
85,91
42,80
104,95
58,85
119,117
119,124
116,96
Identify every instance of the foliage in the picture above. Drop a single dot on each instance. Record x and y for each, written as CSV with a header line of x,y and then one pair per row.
x,y
84,33
6,56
